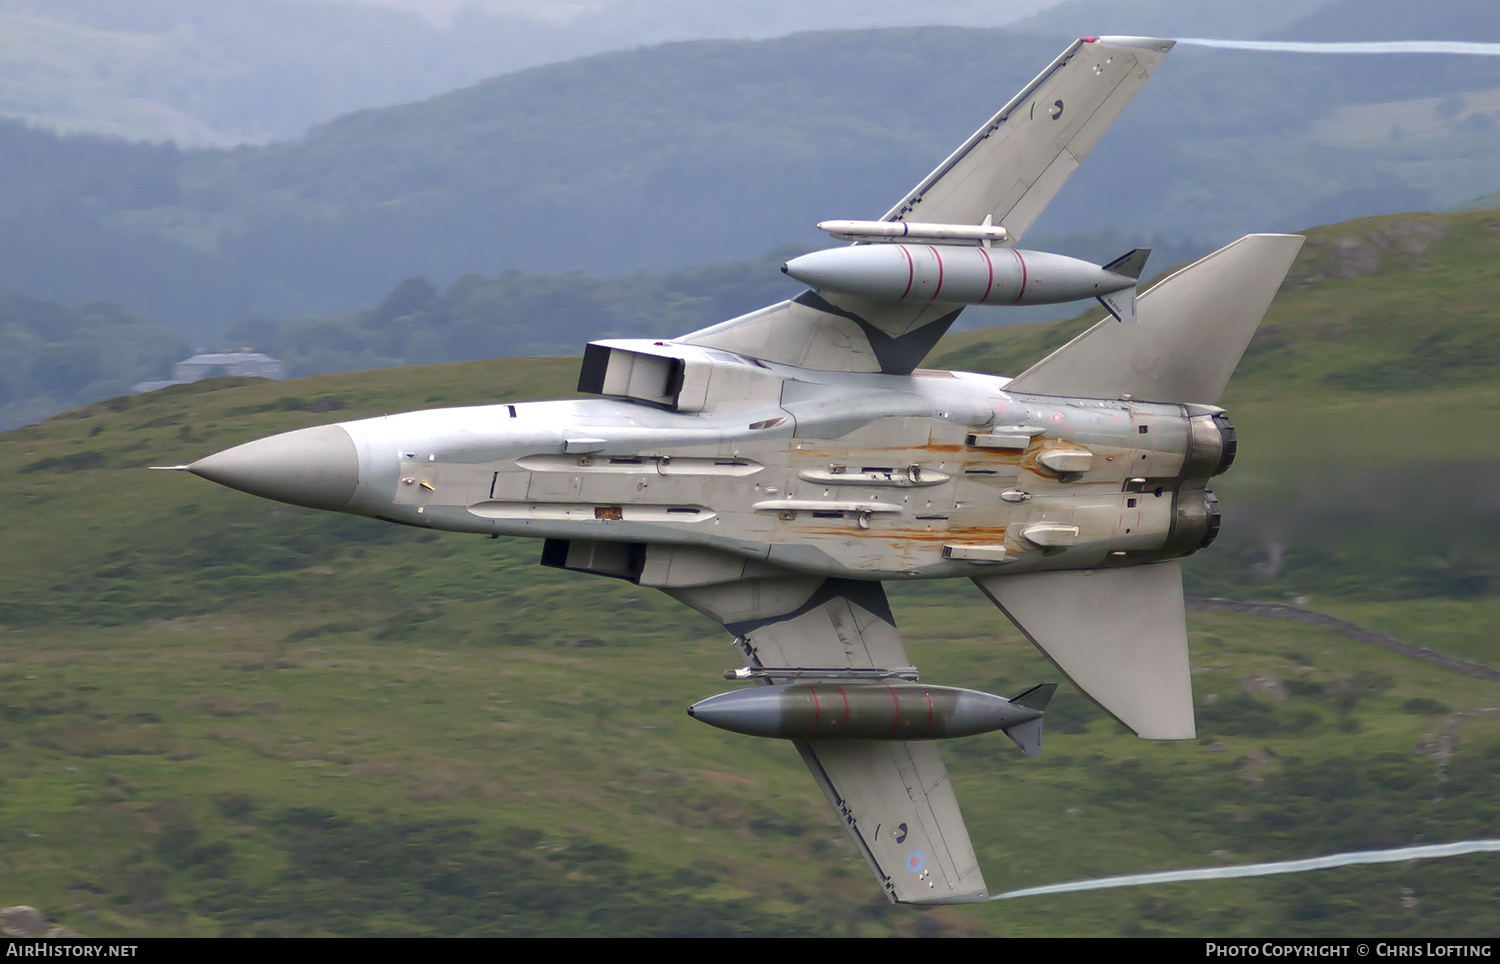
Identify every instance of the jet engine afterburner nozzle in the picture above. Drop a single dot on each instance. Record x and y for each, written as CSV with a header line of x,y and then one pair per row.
x,y
1211,447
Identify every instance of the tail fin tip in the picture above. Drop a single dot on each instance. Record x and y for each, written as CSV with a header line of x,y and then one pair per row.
x,y
1037,697
1130,264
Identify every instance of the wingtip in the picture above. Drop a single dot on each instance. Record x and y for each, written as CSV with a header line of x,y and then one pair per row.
x,y
971,897
1162,44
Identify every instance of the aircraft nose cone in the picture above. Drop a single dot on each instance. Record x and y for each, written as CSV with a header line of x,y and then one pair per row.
x,y
315,467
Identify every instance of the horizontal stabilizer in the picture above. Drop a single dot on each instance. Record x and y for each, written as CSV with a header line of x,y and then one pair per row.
x,y
1191,330
1120,636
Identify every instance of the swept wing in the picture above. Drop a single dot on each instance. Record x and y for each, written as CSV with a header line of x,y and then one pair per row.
x,y
893,797
1008,171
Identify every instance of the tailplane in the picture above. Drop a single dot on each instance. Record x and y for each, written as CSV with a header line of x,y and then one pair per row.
x,y
1119,635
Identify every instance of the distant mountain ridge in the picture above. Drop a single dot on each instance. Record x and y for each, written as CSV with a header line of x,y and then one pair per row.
x,y
256,71
698,152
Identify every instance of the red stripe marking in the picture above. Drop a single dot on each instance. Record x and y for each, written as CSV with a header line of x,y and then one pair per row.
x,y
817,709
846,706
928,694
990,263
911,271
939,256
1022,293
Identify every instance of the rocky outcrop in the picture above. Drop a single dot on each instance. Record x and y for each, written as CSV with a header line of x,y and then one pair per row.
x,y
24,921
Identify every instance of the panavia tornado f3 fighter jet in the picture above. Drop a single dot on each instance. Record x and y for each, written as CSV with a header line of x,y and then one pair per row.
x,y
773,471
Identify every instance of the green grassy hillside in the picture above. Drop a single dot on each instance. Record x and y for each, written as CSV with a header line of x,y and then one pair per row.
x,y
225,716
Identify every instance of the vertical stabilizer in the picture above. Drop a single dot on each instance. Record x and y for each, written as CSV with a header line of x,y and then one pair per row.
x,y
1190,332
